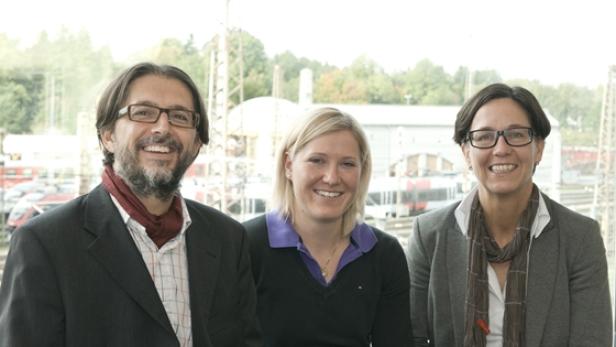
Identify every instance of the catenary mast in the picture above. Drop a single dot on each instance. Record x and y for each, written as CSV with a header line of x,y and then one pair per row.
x,y
223,88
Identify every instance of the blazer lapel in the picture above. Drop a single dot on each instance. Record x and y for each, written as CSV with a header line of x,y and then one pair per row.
x,y
543,264
114,248
457,263
203,249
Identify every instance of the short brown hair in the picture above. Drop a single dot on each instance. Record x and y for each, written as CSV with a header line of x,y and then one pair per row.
x,y
538,120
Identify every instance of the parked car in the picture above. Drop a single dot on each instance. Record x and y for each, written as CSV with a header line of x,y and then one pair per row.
x,y
14,194
31,205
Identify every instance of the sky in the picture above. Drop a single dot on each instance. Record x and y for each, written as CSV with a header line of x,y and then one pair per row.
x,y
550,41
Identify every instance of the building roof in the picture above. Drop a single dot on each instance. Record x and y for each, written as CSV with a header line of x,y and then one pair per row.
x,y
397,115
262,111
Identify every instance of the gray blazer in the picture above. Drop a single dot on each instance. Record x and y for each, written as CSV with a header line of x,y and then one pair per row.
x,y
568,300
74,277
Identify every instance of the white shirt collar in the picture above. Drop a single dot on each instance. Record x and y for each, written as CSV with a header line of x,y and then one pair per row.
x,y
463,210
185,220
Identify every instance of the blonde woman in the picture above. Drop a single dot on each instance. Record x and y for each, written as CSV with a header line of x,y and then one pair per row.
x,y
323,277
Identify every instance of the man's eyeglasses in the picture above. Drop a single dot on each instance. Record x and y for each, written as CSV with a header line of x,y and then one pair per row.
x,y
150,114
516,137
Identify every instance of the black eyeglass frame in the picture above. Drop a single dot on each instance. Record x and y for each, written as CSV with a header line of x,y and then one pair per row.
x,y
499,133
125,111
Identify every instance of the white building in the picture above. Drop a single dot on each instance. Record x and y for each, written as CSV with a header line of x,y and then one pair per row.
x,y
397,132
418,136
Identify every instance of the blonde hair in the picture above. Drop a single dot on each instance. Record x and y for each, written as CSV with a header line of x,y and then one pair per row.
x,y
316,123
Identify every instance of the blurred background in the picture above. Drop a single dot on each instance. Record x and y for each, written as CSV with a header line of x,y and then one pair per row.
x,y
403,69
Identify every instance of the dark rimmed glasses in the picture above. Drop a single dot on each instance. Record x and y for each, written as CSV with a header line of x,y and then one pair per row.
x,y
149,114
516,137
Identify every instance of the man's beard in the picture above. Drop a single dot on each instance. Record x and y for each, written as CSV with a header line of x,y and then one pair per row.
x,y
159,181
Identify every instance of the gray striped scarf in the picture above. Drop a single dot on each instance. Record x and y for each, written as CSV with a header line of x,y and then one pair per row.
x,y
484,249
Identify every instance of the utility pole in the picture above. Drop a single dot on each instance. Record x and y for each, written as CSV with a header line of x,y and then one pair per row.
x,y
604,202
222,88
605,184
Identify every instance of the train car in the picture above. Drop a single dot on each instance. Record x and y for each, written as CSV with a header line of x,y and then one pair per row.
x,y
13,175
410,196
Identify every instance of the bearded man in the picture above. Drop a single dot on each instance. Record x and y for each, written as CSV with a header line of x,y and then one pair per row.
x,y
132,263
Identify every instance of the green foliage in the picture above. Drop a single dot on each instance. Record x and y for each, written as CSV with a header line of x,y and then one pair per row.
x,y
335,87
68,73
13,103
364,81
575,107
377,85
291,67
10,56
183,55
19,99
428,84
74,73
256,67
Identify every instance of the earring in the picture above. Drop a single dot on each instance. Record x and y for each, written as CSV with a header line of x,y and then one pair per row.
x,y
470,168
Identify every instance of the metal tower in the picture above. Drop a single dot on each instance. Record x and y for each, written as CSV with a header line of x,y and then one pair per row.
x,y
605,192
223,88
604,204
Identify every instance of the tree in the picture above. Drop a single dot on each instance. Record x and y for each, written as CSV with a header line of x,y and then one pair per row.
x,y
183,55
378,85
335,87
19,101
10,56
429,84
69,71
257,69
74,73
291,67
364,81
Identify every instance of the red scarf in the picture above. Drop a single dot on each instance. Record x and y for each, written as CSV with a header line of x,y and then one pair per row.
x,y
159,228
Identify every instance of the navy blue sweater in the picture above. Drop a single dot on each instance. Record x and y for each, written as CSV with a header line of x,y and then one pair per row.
x,y
367,302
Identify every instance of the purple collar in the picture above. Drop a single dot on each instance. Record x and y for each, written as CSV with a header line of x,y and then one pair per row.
x,y
282,235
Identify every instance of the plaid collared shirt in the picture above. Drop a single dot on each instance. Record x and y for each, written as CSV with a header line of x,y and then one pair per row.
x,y
169,270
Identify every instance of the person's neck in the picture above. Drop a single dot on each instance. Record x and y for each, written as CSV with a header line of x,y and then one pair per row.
x,y
502,213
319,235
155,205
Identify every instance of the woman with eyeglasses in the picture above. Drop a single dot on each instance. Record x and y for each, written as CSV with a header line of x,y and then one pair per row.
x,y
507,266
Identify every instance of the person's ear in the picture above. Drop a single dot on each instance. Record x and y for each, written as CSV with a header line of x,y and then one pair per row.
x,y
108,140
466,152
288,165
539,150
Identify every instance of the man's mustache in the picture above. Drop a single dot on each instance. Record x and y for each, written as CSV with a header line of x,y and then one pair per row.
x,y
162,140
